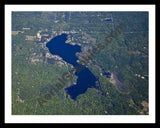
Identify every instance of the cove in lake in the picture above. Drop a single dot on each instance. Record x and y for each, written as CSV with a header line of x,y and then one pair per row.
x,y
86,79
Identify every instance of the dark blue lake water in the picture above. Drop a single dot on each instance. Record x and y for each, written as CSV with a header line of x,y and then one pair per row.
x,y
86,79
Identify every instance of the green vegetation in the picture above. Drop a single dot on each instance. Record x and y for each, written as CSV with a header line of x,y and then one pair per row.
x,y
34,70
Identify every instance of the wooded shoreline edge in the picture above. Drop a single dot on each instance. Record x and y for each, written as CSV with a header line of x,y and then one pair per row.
x,y
67,76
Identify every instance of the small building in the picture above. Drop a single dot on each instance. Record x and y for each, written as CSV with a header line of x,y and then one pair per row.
x,y
26,28
39,35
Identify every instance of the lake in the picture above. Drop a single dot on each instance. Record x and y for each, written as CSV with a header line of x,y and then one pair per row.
x,y
86,78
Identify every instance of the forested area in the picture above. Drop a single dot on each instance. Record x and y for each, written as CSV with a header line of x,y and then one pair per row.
x,y
33,72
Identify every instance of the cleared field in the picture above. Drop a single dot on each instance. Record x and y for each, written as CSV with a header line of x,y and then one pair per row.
x,y
16,32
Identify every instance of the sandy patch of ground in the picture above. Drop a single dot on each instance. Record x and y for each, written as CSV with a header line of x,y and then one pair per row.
x,y
119,85
145,109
